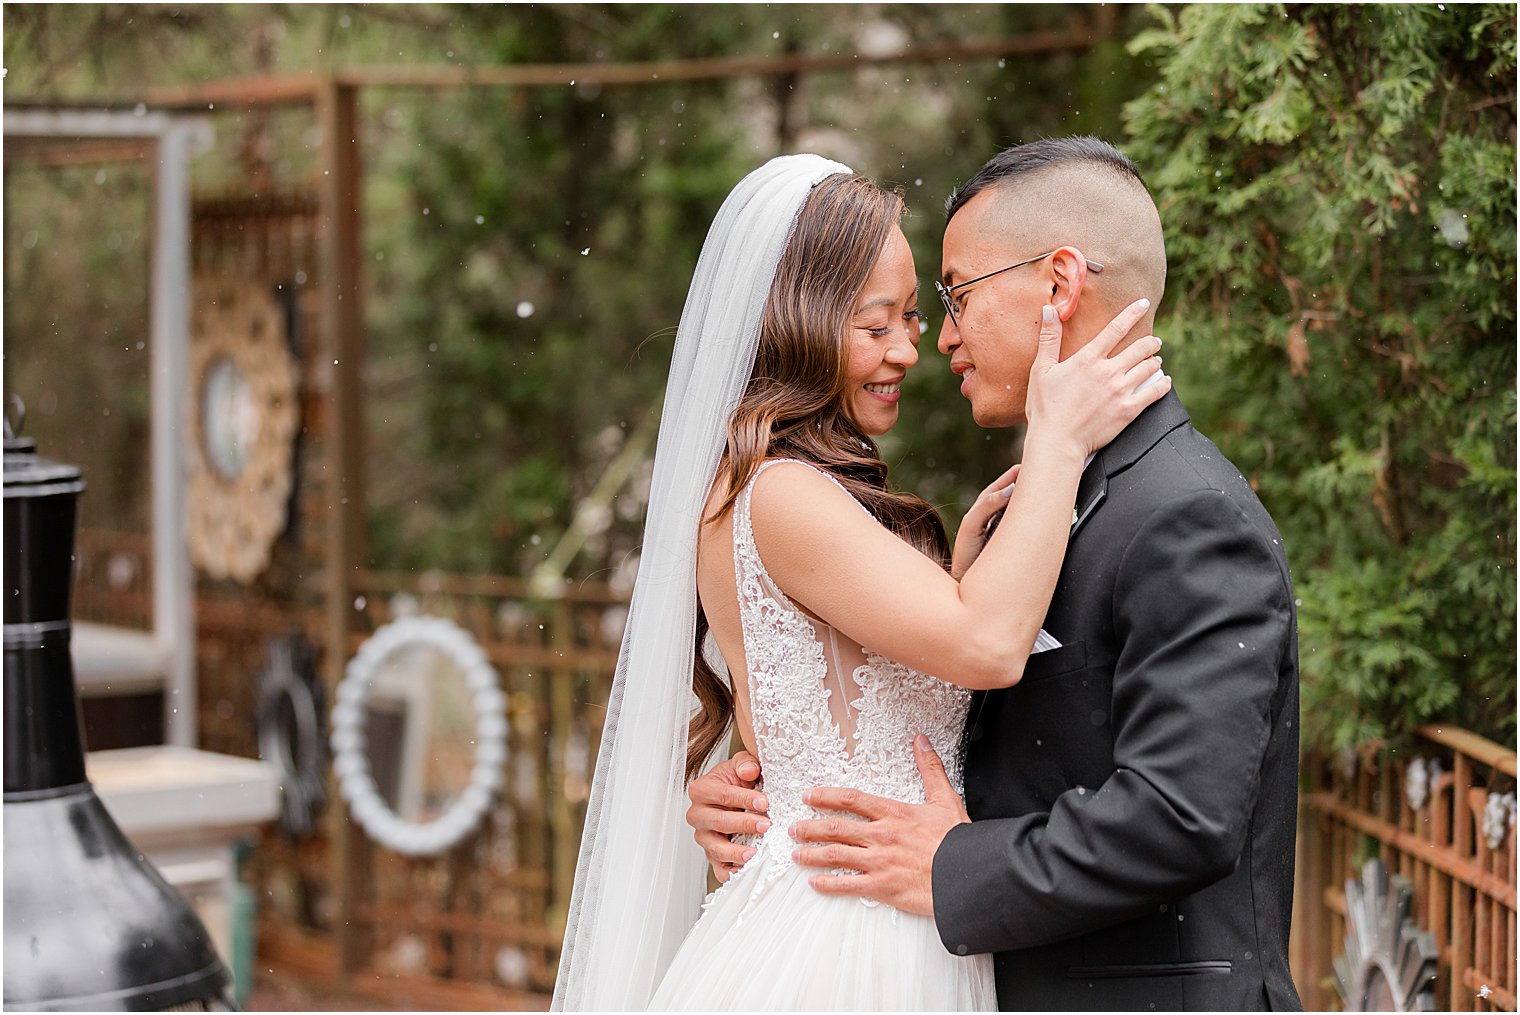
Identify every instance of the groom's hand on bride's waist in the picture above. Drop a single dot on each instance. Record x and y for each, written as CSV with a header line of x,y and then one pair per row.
x,y
893,849
724,803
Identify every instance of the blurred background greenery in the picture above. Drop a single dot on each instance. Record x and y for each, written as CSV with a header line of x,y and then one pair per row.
x,y
1337,184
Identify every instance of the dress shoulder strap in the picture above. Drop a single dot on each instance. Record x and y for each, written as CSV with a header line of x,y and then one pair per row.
x,y
753,579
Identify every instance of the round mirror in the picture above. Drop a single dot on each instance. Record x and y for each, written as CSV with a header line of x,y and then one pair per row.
x,y
419,722
230,420
419,735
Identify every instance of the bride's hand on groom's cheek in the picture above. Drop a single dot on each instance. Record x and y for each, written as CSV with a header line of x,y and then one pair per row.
x,y
893,848
1085,400
724,803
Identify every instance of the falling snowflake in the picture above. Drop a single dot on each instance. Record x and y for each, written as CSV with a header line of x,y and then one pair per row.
x,y
1453,228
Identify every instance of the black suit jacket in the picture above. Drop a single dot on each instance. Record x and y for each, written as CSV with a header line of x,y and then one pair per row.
x,y
1134,796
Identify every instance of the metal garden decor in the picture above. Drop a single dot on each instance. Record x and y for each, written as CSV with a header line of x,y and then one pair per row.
x,y
244,420
1389,963
290,732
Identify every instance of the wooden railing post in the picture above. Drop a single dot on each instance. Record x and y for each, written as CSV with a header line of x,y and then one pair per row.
x,y
342,321
566,840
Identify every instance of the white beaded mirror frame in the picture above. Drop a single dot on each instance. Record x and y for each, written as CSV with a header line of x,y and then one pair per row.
x,y
351,760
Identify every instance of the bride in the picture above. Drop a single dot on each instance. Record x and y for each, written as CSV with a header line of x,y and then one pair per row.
x,y
811,606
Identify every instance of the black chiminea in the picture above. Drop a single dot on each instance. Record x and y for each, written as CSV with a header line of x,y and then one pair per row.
x,y
89,923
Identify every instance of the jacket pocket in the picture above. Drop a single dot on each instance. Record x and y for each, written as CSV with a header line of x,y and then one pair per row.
x,y
1054,662
1210,967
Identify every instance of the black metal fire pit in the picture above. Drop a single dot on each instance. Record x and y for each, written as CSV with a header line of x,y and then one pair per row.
x,y
89,923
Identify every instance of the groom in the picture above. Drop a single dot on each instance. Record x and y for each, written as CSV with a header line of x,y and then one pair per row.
x,y
1132,800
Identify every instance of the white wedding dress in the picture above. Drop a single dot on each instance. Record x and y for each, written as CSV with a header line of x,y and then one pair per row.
x,y
826,713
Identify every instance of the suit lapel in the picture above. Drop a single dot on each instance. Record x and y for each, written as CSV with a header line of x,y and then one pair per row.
x,y
1148,428
1091,490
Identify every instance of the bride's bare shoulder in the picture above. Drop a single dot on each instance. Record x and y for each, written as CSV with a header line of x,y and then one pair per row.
x,y
794,495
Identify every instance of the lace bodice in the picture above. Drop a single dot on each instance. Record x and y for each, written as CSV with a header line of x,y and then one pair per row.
x,y
827,712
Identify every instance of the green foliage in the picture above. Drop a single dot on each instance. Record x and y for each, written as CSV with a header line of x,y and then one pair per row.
x,y
550,234
484,404
1338,188
76,277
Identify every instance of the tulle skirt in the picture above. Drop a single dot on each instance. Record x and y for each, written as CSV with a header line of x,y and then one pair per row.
x,y
788,948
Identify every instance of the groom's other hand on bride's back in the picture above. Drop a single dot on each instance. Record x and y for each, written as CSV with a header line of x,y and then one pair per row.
x,y
725,802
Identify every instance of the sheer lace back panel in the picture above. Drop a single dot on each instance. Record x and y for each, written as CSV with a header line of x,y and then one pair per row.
x,y
826,711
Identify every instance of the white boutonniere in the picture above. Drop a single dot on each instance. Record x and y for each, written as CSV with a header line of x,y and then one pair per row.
x,y
1073,517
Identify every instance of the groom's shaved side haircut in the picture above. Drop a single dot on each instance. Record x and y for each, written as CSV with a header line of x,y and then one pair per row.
x,y
1082,192
1027,159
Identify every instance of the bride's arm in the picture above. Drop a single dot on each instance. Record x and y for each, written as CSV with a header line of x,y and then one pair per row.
x,y
842,566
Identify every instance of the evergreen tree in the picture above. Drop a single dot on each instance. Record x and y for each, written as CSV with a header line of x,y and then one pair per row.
x,y
1338,188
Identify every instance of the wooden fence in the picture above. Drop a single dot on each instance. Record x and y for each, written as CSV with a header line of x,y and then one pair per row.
x,y
493,910
1441,816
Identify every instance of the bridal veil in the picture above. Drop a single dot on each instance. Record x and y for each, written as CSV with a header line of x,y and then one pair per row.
x,y
640,879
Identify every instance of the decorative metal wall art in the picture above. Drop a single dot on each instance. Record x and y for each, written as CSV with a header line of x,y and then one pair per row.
x,y
1389,963
244,419
290,714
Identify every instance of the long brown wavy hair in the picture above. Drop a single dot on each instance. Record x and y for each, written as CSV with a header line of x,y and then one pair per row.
x,y
795,405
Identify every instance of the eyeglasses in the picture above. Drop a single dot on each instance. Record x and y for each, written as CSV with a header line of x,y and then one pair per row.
x,y
952,304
